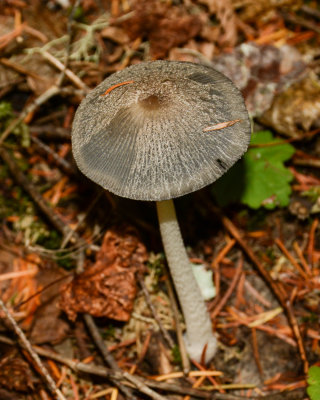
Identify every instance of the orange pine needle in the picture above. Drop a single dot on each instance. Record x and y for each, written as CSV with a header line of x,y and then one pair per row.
x,y
211,379
311,241
198,383
54,369
222,125
257,234
303,261
223,252
256,351
228,293
115,86
290,258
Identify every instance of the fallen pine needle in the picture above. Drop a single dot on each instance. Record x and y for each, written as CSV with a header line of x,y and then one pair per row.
x,y
310,247
180,374
265,317
228,293
231,386
198,383
290,258
113,391
115,86
303,261
17,274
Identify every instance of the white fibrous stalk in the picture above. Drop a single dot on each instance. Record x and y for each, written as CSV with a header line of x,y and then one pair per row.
x,y
198,324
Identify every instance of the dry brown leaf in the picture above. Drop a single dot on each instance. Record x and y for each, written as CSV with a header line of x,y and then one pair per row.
x,y
48,326
164,26
108,287
253,9
224,11
297,110
261,71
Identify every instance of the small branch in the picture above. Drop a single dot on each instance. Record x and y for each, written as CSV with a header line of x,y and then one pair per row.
x,y
22,180
293,19
307,162
228,293
71,75
112,363
231,228
164,332
183,352
44,97
20,69
27,345
51,132
312,11
59,161
170,387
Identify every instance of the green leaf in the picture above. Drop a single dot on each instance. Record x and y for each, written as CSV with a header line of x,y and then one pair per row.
x,y
260,179
313,380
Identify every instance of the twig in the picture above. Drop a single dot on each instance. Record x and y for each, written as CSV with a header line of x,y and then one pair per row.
x,y
106,354
112,363
231,228
291,259
55,220
20,69
293,19
164,332
82,218
256,351
307,162
44,97
228,293
170,387
60,162
314,12
71,75
303,261
27,345
51,132
183,353
310,247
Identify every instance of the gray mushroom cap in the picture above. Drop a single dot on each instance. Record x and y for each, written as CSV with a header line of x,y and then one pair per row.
x,y
145,138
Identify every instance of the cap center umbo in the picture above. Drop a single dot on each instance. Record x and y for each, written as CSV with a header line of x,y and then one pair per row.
x,y
151,102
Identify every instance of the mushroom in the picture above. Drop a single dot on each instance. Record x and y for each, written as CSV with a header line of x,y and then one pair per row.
x,y
159,130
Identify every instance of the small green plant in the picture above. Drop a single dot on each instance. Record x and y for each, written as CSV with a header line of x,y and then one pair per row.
x,y
176,355
260,179
6,116
313,380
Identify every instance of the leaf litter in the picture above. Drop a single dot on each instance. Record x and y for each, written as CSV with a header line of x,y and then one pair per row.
x,y
107,288
269,49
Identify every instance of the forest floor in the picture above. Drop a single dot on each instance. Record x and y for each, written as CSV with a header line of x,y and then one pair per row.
x,y
83,278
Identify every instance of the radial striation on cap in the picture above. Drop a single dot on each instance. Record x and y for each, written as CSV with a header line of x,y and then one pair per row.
x,y
143,132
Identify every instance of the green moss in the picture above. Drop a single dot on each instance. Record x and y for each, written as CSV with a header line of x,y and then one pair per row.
x,y
176,355
20,132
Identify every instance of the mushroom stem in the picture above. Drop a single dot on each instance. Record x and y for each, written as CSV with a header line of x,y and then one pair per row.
x,y
198,324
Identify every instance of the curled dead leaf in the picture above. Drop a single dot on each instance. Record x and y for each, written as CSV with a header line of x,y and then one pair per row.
x,y
108,287
224,11
297,110
164,26
260,72
252,9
